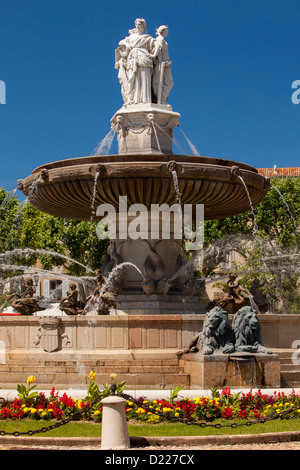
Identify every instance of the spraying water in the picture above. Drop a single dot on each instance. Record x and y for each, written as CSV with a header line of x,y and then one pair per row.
x,y
250,202
24,251
38,271
104,146
192,146
286,205
110,282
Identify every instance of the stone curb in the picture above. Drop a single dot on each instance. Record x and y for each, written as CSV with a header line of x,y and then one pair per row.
x,y
180,441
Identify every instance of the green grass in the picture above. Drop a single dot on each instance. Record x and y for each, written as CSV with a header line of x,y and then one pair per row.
x,y
89,429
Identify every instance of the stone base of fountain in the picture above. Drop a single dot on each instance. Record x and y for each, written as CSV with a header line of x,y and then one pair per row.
x,y
141,349
145,128
157,304
237,370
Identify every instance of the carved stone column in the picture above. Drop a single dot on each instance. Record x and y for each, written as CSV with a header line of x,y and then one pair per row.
x,y
145,128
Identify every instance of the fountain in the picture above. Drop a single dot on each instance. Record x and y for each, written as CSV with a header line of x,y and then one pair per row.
x,y
146,171
154,318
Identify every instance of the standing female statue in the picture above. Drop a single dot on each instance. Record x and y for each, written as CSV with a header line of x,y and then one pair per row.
x,y
162,80
135,64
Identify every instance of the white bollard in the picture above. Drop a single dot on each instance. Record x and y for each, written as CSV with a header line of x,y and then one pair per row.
x,y
114,425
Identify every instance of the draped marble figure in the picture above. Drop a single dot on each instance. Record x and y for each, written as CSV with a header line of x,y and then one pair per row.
x,y
144,66
162,80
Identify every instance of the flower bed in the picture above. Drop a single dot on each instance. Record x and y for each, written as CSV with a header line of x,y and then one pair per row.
x,y
224,405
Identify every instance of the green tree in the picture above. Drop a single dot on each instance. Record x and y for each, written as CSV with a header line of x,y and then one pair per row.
x,y
31,229
273,253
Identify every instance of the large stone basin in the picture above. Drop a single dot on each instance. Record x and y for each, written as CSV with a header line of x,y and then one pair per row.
x,y
65,188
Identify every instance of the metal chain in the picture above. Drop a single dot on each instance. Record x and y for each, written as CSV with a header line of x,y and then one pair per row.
x,y
58,424
204,424
112,390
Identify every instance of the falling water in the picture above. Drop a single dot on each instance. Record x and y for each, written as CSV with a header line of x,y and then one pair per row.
x,y
156,136
94,196
246,371
7,199
253,304
250,202
21,207
176,186
104,146
286,205
33,188
2,352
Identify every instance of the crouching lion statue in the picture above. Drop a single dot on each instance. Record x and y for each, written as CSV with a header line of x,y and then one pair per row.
x,y
246,330
216,336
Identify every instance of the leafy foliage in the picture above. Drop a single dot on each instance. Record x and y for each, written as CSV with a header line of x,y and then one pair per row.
x,y
30,228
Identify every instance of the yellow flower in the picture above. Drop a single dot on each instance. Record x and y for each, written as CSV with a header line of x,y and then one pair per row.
x,y
50,410
32,411
176,415
92,375
31,379
154,402
97,412
166,409
130,403
44,413
113,376
145,401
26,409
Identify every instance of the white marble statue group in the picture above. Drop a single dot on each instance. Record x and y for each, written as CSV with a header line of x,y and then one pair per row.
x,y
144,66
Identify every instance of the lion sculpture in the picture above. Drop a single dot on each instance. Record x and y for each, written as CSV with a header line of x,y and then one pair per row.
x,y
246,330
216,336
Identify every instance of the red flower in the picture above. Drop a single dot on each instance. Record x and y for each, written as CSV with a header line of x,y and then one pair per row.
x,y
227,413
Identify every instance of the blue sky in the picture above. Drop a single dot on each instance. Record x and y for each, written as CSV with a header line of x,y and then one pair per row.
x,y
233,64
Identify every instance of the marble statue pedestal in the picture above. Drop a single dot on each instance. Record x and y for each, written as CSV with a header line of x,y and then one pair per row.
x,y
237,370
145,128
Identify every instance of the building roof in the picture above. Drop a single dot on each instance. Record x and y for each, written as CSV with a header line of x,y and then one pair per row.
x,y
279,172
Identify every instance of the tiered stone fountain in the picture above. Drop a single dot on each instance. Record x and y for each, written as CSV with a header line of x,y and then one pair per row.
x,y
159,310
